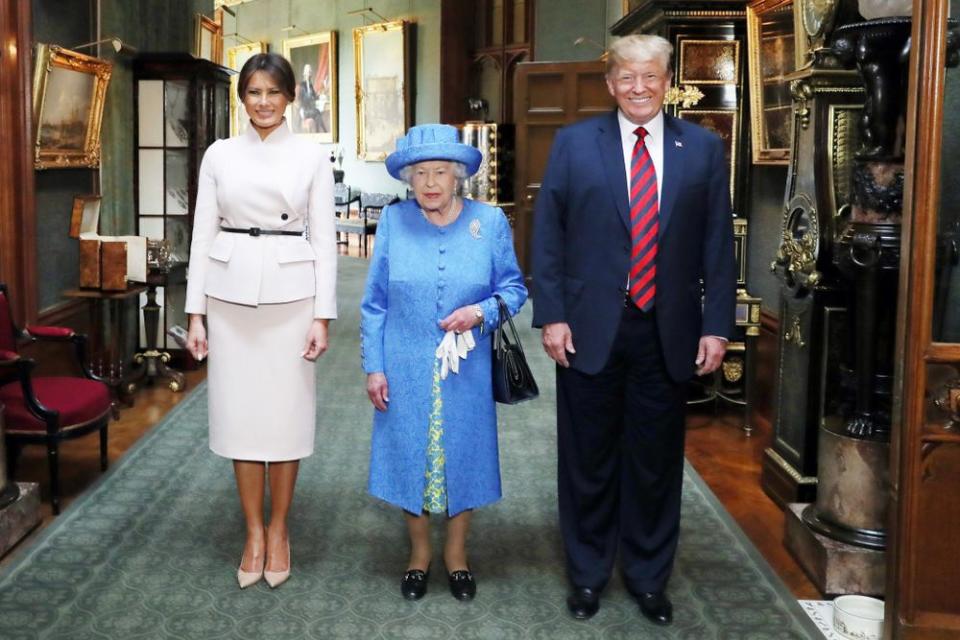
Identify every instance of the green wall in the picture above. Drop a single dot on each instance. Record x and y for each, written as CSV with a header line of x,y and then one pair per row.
x,y
148,25
67,24
559,23
265,19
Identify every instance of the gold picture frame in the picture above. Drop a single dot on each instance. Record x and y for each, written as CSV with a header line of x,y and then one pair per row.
x,y
208,39
68,96
314,112
236,57
771,49
382,62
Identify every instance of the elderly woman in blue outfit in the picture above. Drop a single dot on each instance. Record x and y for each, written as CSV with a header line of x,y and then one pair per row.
x,y
438,262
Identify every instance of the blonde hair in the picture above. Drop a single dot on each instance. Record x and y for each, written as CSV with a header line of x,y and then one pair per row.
x,y
640,48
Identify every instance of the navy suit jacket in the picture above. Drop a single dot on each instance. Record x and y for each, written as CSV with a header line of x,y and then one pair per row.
x,y
581,242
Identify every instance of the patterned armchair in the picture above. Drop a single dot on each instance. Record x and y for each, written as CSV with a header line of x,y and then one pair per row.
x,y
48,409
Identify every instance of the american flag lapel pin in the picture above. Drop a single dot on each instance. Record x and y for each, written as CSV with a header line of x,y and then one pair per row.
x,y
678,144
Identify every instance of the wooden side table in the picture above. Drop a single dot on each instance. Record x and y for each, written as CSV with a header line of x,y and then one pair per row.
x,y
109,340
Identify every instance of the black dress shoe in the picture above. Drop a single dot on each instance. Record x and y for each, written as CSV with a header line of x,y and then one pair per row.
x,y
462,584
413,586
656,607
583,603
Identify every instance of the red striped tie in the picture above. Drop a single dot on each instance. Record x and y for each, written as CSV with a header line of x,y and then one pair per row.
x,y
644,215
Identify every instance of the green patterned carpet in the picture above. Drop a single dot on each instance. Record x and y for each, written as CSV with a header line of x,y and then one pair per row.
x,y
151,550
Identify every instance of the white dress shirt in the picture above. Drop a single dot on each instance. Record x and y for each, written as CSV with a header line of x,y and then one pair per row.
x,y
653,142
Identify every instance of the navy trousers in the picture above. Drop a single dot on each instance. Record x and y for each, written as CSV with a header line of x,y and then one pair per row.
x,y
620,437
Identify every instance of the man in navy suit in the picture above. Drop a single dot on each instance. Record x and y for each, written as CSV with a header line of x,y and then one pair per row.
x,y
634,287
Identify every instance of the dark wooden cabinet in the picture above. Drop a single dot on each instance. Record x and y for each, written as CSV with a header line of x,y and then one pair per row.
x,y
182,106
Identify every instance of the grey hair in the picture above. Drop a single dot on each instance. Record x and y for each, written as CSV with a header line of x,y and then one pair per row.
x,y
459,170
640,48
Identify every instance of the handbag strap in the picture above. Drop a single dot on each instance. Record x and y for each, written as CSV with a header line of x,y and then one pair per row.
x,y
505,313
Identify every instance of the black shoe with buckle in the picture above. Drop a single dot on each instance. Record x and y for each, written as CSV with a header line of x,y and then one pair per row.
x,y
462,584
413,586
655,607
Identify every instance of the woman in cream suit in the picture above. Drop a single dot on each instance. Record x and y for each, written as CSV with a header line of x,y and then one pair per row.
x,y
263,275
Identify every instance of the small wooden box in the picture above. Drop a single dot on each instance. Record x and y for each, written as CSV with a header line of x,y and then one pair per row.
x,y
89,264
113,266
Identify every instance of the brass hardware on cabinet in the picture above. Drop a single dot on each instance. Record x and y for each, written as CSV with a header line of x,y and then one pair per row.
x,y
947,399
794,335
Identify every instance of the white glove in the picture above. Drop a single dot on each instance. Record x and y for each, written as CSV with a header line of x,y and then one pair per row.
x,y
465,343
447,352
453,347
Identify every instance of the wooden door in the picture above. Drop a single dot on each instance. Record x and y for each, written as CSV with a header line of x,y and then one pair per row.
x,y
923,584
17,219
547,96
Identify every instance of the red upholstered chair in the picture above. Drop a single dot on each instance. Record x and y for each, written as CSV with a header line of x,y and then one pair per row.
x,y
48,410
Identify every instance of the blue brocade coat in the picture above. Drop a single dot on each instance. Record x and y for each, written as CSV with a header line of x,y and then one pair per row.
x,y
418,275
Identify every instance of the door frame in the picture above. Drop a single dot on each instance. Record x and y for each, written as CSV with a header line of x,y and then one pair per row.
x,y
910,613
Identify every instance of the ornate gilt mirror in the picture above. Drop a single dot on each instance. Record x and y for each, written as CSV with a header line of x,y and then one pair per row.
x,y
771,53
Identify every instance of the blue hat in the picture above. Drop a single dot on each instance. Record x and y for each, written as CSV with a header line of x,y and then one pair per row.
x,y
432,142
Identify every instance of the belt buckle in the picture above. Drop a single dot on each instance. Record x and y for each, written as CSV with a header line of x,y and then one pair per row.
x,y
254,231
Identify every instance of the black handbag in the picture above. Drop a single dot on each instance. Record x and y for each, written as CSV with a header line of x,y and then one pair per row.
x,y
512,380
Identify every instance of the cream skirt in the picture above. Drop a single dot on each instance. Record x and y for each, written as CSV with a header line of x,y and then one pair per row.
x,y
262,393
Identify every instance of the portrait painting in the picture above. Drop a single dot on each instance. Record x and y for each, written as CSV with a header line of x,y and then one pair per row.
x,y
722,122
236,58
383,111
68,98
313,112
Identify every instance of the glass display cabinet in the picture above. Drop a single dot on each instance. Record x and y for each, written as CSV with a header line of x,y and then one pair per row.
x,y
182,106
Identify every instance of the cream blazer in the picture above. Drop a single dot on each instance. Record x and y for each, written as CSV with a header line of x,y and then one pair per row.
x,y
283,182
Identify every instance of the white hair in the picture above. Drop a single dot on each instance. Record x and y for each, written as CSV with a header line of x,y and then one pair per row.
x,y
459,170
640,48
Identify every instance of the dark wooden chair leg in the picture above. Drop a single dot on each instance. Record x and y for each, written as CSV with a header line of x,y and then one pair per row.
x,y
103,447
13,454
53,461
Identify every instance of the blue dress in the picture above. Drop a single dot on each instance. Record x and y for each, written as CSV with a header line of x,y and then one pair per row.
x,y
418,275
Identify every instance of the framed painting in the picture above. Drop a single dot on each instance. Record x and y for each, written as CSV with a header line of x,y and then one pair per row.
x,y
236,58
722,122
314,60
709,61
383,97
68,94
208,39
770,49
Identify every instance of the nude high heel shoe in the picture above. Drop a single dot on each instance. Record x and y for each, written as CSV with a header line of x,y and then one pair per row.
x,y
249,578
277,578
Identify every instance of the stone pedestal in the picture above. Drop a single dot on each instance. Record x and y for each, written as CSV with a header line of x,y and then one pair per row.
x,y
834,567
20,517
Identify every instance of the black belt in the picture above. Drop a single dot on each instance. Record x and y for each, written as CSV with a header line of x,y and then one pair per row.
x,y
257,231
